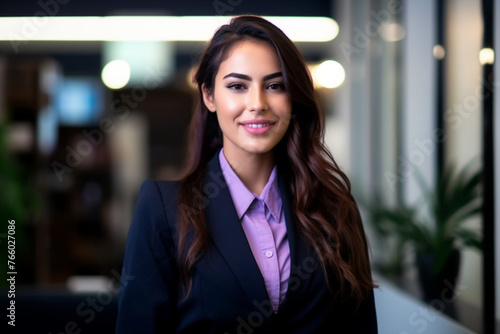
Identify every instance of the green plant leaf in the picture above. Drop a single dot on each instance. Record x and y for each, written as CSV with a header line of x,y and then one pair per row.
x,y
470,238
434,223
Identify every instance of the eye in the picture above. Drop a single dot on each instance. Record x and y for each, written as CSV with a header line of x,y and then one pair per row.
x,y
276,86
236,86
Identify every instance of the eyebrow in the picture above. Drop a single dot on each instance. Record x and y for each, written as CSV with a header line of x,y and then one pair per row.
x,y
248,78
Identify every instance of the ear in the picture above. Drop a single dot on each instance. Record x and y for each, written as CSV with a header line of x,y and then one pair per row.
x,y
208,98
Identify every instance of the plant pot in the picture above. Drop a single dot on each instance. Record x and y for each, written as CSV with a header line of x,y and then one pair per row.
x,y
438,289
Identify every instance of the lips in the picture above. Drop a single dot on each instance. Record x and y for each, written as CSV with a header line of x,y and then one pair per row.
x,y
257,126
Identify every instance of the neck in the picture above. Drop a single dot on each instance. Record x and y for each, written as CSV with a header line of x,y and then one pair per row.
x,y
252,169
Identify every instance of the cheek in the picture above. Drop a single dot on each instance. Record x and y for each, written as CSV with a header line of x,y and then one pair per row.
x,y
228,104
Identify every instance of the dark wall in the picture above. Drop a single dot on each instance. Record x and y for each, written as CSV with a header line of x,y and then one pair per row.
x,y
170,7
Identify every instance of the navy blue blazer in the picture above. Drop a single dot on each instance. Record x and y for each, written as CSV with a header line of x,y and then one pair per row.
x,y
228,293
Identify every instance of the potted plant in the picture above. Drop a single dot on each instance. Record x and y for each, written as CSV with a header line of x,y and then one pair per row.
x,y
434,226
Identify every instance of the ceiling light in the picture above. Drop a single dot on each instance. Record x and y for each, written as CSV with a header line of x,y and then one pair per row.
x,y
150,28
116,74
329,74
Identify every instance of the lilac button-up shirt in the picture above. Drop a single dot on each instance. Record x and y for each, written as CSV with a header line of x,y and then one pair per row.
x,y
264,224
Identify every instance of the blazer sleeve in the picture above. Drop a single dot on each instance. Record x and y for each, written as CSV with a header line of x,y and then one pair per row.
x,y
365,319
148,289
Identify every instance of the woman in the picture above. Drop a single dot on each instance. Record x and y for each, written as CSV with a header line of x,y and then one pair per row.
x,y
261,235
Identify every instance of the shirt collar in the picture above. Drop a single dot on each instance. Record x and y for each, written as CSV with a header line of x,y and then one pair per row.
x,y
243,198
271,196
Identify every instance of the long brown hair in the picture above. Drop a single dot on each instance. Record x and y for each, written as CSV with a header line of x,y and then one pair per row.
x,y
324,212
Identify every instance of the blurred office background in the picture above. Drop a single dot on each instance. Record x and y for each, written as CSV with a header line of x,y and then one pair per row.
x,y
90,108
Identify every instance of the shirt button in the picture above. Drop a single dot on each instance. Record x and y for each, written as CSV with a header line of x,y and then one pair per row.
x,y
269,253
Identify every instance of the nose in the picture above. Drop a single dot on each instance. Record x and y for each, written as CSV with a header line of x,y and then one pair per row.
x,y
257,100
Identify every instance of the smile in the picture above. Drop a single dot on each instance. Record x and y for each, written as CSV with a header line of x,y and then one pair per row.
x,y
259,125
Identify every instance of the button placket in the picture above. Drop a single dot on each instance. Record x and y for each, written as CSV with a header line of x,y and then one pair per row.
x,y
270,251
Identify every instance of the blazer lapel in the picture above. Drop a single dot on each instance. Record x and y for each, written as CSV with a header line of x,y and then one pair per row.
x,y
300,256
227,233
290,225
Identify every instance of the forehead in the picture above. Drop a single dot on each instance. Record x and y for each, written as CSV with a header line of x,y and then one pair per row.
x,y
251,56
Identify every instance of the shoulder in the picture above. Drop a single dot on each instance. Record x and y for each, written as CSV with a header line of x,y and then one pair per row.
x,y
159,186
166,190
155,215
158,200
158,191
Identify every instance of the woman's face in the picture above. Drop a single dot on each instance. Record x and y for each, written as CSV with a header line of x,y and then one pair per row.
x,y
249,97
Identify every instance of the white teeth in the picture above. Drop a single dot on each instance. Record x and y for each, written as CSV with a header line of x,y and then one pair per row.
x,y
256,126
